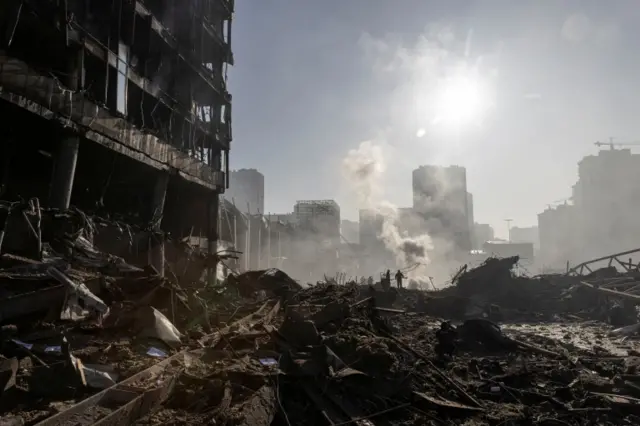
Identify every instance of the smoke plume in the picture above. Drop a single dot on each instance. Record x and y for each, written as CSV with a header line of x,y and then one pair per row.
x,y
363,169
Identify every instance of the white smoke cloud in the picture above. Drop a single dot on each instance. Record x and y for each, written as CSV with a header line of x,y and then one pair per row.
x,y
363,169
443,87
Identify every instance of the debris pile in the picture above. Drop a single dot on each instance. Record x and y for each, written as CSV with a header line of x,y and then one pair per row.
x,y
76,320
493,291
331,357
89,339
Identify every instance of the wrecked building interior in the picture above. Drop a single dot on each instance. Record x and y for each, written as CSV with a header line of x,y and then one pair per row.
x,y
118,108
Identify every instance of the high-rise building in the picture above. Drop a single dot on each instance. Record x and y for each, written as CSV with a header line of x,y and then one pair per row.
x,y
246,191
317,244
440,198
527,234
370,227
607,198
375,254
118,104
470,217
350,230
320,218
482,232
285,218
408,222
557,230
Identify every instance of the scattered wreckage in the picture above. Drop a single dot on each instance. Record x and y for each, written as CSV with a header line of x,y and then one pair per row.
x,y
89,339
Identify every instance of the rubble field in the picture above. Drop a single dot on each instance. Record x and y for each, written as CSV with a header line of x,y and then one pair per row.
x,y
90,337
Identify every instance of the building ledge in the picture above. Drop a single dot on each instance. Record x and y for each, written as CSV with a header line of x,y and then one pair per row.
x,y
44,96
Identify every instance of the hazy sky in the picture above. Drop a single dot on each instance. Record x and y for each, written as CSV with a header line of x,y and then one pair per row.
x,y
315,78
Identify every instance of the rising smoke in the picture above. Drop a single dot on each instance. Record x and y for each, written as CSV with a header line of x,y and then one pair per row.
x,y
363,169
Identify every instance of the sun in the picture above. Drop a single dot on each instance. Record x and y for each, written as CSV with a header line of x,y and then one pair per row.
x,y
460,100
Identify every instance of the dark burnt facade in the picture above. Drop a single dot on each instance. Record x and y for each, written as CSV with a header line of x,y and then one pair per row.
x,y
118,107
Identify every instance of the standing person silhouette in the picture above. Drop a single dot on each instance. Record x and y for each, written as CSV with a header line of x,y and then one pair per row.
x,y
399,277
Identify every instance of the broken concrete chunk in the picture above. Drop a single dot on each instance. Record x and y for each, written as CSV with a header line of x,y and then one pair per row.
x,y
8,369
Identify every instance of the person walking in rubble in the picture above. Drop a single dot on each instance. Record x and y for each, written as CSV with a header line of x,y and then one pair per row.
x,y
370,281
399,277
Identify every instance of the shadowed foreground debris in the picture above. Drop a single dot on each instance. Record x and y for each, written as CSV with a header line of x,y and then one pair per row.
x,y
89,339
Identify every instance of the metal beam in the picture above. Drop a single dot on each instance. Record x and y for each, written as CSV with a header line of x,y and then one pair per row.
x,y
579,269
608,291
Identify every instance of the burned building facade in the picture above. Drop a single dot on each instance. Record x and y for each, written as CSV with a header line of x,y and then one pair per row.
x,y
118,107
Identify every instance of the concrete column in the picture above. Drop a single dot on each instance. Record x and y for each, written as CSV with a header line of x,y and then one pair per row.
x,y
212,231
64,171
74,79
156,240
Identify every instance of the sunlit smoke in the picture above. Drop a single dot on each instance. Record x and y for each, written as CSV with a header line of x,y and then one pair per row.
x,y
363,169
445,85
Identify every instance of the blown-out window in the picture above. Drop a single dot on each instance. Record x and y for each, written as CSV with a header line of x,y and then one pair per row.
x,y
123,60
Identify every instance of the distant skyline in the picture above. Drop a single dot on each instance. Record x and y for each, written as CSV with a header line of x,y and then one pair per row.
x,y
314,79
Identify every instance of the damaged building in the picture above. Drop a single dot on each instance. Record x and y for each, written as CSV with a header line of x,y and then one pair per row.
x,y
119,108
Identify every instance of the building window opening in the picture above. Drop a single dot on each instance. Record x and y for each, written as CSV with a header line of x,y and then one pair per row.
x,y
123,56
204,113
225,31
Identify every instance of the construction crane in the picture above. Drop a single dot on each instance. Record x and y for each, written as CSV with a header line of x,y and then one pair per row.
x,y
611,144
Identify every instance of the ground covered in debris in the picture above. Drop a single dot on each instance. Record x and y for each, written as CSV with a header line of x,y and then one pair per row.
x,y
87,338
353,362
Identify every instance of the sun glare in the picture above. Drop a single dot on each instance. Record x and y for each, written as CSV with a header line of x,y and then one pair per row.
x,y
460,101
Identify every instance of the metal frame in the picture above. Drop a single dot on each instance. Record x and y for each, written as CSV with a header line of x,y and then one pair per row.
x,y
584,268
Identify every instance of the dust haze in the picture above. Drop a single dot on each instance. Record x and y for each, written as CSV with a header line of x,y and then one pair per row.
x,y
420,255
